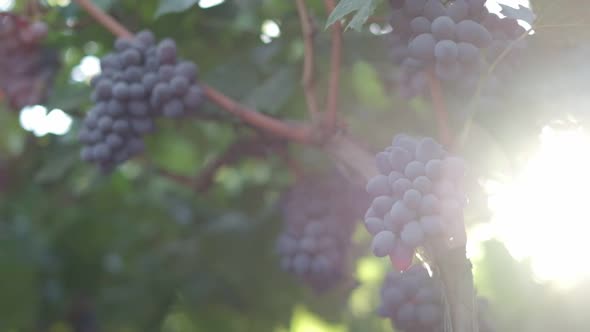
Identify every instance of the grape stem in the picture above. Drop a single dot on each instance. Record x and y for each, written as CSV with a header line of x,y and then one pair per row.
x,y
300,133
104,19
202,181
331,117
307,79
440,111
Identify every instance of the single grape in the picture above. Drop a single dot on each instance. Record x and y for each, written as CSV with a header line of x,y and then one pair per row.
x,y
414,169
137,91
374,225
146,38
467,53
433,169
131,57
469,31
166,51
431,225
412,235
446,51
114,141
401,213
379,186
301,264
443,28
399,158
187,69
383,244
179,85
121,126
173,108
420,25
120,91
309,244
434,9
412,199
458,10
400,186
422,47
166,73
382,204
194,97
422,184
105,123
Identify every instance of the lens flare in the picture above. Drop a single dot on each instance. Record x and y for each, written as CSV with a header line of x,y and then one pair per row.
x,y
543,214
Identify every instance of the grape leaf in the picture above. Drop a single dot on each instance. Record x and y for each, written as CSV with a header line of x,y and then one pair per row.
x,y
273,93
363,8
174,6
520,13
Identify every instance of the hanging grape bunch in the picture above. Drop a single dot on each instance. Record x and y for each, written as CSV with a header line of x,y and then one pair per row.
x,y
418,197
320,215
412,301
459,41
27,67
140,81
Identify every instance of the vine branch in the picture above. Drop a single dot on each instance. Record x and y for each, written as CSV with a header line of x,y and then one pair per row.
x,y
308,80
335,61
300,133
201,182
440,111
104,19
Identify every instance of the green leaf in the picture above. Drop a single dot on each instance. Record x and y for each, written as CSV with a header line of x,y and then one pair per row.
x,y
174,6
273,93
364,9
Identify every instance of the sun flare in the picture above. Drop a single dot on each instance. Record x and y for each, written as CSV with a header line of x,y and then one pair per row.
x,y
543,214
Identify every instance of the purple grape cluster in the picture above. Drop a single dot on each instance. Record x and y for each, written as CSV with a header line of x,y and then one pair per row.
x,y
417,197
412,301
27,67
140,81
319,215
459,40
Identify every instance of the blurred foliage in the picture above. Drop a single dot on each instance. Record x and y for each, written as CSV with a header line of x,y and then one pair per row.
x,y
135,251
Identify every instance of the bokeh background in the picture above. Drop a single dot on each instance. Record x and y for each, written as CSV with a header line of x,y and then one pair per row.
x,y
136,251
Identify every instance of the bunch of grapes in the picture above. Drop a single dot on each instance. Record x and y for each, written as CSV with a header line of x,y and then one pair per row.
x,y
140,81
458,40
26,68
418,197
320,215
412,301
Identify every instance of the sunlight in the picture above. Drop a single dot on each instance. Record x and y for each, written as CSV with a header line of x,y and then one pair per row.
x,y
37,120
269,30
210,3
89,67
6,5
542,214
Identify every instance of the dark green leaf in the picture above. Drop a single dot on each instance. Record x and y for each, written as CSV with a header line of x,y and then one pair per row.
x,y
272,94
364,9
